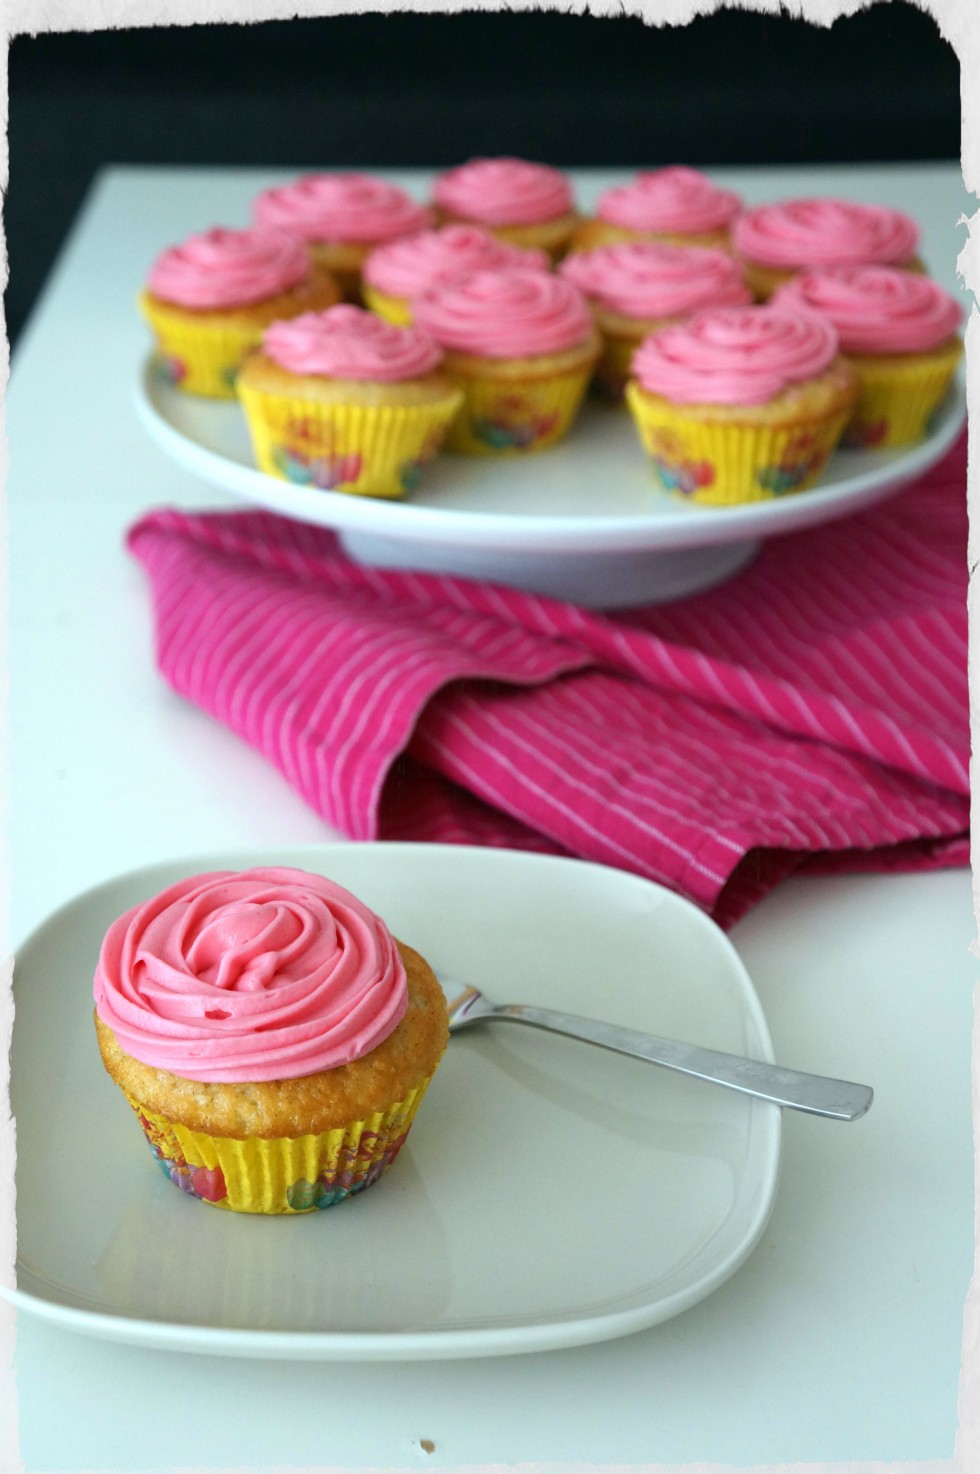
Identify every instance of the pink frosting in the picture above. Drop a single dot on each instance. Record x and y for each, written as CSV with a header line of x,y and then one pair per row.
x,y
735,355
504,192
647,279
877,309
348,343
825,232
505,314
228,268
407,267
674,200
353,208
258,975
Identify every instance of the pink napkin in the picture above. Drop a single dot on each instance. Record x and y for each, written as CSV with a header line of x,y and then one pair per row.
x,y
811,714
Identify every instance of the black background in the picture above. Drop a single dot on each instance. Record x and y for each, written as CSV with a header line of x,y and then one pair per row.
x,y
370,91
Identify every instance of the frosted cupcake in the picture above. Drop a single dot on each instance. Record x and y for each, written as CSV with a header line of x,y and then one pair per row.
x,y
523,203
741,404
394,275
272,1037
521,345
342,217
344,401
676,205
775,241
209,300
639,286
899,332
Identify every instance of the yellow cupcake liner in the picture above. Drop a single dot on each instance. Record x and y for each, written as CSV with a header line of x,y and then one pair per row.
x,y
367,449
287,1175
516,416
201,356
615,365
393,309
723,463
898,397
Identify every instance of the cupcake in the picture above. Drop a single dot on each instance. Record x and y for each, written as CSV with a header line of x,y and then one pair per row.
x,y
521,203
775,241
209,300
397,273
271,1036
344,401
639,286
741,404
899,332
342,217
521,345
677,205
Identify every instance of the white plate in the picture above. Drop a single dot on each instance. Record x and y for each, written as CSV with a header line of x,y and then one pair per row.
x,y
550,1193
583,521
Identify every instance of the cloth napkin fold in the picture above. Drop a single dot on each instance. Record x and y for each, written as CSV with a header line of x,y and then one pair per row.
x,y
811,713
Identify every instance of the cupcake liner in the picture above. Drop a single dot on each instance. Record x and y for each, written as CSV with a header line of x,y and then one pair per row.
x,y
201,356
615,365
516,415
898,396
393,309
722,463
366,449
285,1175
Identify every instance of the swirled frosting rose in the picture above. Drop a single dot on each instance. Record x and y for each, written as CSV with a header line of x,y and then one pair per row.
x,y
263,974
228,268
647,279
348,343
825,232
433,257
676,200
877,309
735,355
505,314
341,208
503,192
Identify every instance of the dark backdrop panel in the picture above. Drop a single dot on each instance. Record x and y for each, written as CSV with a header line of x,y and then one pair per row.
x,y
390,90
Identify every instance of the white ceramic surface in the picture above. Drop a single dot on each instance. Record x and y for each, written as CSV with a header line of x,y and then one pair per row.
x,y
532,1156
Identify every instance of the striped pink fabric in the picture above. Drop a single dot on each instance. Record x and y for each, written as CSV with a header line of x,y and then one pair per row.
x,y
813,712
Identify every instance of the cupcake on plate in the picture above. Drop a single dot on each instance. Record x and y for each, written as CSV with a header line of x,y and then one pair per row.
x,y
341,217
272,1037
636,287
899,331
521,344
209,300
344,401
522,203
741,404
774,242
676,205
394,275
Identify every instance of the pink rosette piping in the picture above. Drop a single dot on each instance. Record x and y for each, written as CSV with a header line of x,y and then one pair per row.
x,y
647,279
348,343
877,309
228,268
825,232
505,314
434,257
673,200
353,208
504,192
735,355
263,974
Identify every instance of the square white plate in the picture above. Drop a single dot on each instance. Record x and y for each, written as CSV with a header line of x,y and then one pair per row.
x,y
550,1194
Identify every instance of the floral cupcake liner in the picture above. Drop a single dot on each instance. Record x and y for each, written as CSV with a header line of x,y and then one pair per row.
x,y
898,396
201,355
514,415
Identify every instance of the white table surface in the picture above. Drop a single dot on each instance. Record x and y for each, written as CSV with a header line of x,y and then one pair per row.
x,y
839,1340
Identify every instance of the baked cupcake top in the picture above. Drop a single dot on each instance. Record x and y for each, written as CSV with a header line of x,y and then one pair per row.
x,y
825,232
349,343
514,313
735,355
341,209
650,279
228,268
406,267
675,200
265,974
877,309
503,192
